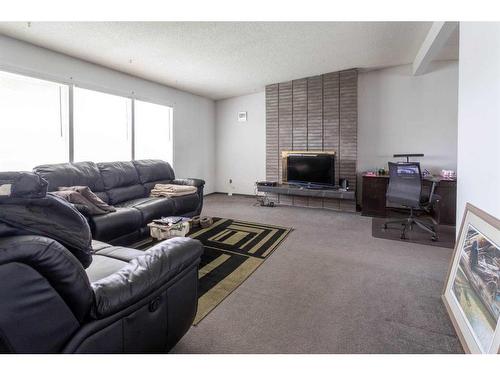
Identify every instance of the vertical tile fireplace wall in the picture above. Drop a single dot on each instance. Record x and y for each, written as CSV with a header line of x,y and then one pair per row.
x,y
317,113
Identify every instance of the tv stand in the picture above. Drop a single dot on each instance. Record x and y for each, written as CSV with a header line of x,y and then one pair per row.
x,y
323,197
319,187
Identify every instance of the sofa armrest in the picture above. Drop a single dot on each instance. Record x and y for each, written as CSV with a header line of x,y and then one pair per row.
x,y
196,182
144,274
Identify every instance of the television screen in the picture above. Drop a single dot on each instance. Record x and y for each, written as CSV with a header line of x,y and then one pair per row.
x,y
316,169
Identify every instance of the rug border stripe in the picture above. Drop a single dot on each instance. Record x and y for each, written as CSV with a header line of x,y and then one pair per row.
x,y
204,311
197,320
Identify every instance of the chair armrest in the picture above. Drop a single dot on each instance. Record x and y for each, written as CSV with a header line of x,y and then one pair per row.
x,y
431,195
196,182
435,181
144,274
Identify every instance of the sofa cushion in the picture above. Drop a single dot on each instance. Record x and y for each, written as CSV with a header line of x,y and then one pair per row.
x,y
153,170
151,208
125,254
121,181
125,193
118,174
115,224
186,203
99,245
103,266
83,173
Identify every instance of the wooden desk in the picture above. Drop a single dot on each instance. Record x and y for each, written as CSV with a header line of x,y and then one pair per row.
x,y
373,201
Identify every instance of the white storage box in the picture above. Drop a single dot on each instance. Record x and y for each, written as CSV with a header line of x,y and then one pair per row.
x,y
163,232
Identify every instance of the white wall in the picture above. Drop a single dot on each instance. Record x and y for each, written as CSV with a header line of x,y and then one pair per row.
x,y
194,116
402,113
397,113
479,118
240,146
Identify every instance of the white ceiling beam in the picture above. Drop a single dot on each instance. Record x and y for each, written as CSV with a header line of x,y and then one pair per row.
x,y
436,38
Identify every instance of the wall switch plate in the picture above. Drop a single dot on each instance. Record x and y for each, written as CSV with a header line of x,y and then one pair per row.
x,y
242,117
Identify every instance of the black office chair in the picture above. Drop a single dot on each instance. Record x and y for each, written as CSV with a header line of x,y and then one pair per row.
x,y
405,189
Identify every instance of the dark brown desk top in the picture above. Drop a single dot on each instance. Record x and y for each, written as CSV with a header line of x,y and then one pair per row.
x,y
429,177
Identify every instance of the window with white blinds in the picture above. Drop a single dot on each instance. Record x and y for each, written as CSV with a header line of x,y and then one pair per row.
x,y
33,122
37,126
102,126
153,131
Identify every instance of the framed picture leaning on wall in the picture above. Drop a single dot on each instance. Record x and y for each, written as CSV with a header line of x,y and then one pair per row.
x,y
472,290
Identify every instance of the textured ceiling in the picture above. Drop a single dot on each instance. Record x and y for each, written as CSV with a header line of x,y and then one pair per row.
x,y
221,60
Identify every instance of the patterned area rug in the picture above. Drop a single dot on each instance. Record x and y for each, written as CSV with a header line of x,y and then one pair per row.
x,y
233,251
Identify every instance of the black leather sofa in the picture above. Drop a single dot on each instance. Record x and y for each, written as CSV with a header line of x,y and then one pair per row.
x,y
126,300
126,186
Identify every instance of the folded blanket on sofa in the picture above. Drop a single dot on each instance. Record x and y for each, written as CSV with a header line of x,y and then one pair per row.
x,y
171,190
84,200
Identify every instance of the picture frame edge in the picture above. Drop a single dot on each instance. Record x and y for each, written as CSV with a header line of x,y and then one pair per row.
x,y
494,222
455,249
490,219
455,325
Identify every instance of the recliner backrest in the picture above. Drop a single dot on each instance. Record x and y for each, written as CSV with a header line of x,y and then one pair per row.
x,y
84,173
45,294
121,181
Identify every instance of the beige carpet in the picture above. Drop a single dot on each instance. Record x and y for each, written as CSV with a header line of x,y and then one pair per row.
x,y
330,288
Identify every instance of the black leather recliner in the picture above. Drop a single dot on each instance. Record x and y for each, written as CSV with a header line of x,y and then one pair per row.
x,y
127,301
126,186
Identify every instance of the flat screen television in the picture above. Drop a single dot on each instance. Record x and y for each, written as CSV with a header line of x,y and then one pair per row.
x,y
311,169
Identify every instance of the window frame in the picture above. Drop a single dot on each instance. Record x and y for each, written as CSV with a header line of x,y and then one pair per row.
x,y
71,84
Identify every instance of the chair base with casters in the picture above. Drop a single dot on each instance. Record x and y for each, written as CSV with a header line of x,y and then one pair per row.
x,y
408,223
